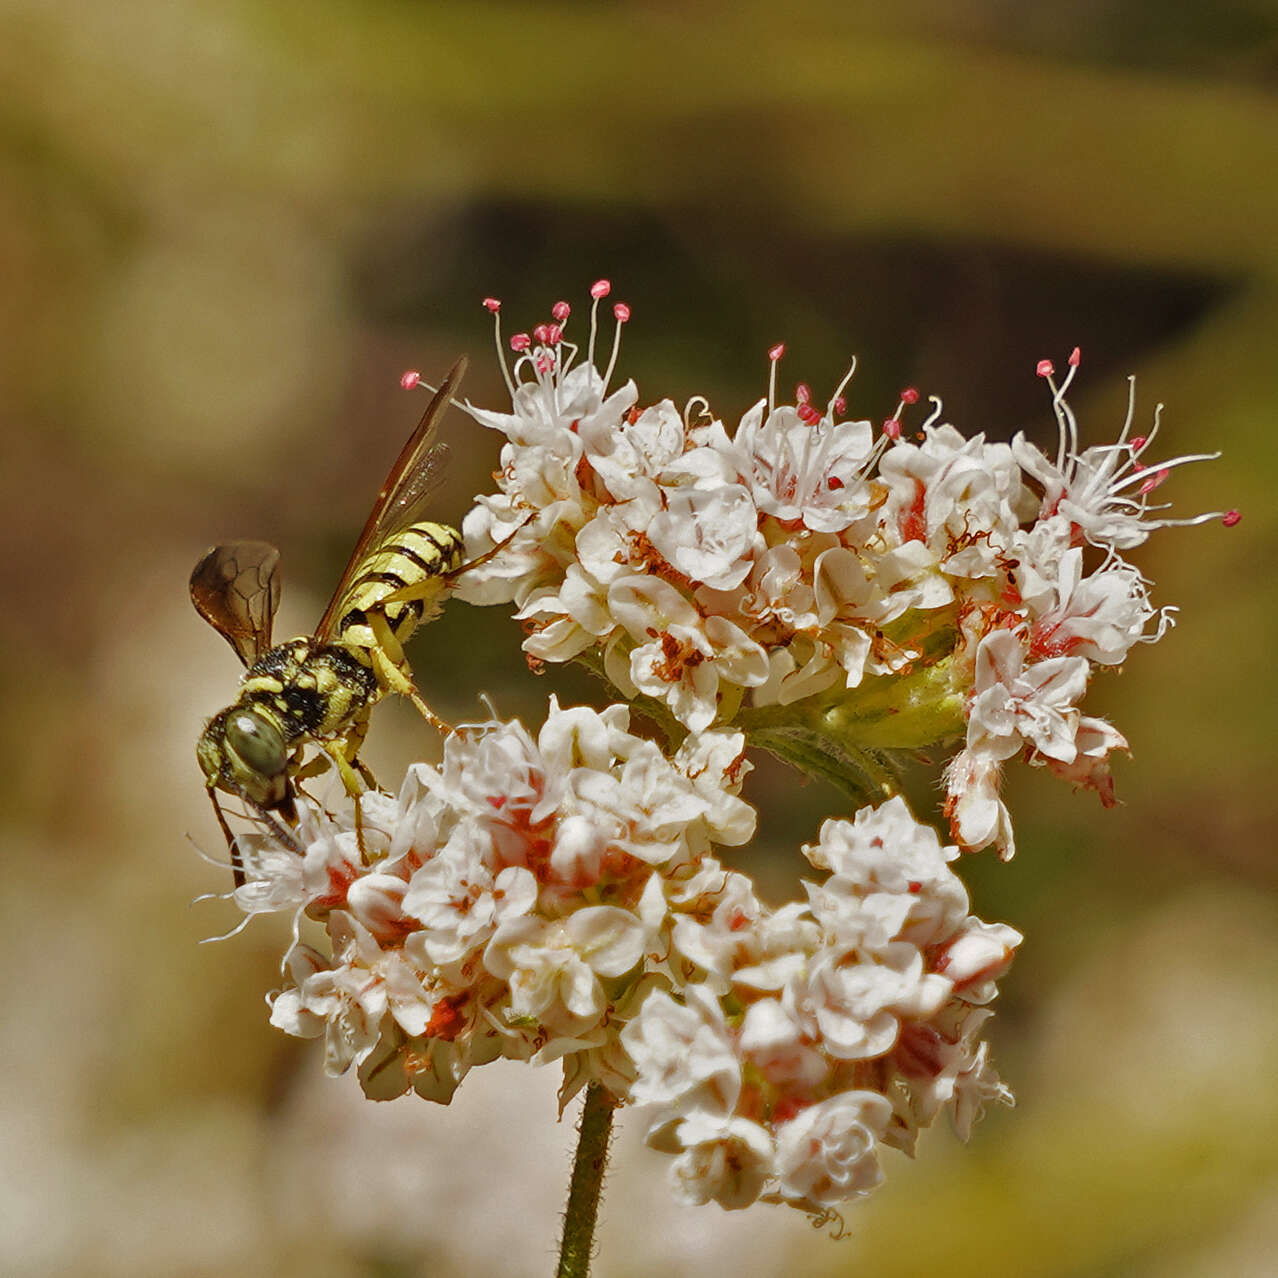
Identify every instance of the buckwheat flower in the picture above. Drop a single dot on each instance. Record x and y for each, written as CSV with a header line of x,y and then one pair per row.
x,y
461,901
680,657
1102,493
726,1160
346,1002
1016,704
810,473
852,1009
856,1003
714,763
978,816
828,1153
707,527
629,455
962,498
943,1063
1098,616
715,928
774,1041
553,966
889,878
683,1053
1089,769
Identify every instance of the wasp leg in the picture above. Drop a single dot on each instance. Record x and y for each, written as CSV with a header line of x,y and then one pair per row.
x,y
354,739
391,668
351,782
237,866
489,554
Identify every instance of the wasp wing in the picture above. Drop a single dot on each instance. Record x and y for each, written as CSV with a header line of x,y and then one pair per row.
x,y
236,589
417,472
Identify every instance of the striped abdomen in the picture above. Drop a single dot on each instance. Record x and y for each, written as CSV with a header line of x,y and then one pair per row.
x,y
417,557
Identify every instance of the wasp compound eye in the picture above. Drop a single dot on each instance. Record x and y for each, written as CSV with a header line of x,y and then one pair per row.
x,y
257,743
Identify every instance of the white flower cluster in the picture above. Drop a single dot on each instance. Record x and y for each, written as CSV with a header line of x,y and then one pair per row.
x,y
499,900
557,898
804,1038
814,584
806,561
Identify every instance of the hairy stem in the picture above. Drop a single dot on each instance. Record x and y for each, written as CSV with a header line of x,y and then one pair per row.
x,y
587,1180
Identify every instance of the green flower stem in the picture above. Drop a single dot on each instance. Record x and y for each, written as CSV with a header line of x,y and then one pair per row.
x,y
587,1180
845,736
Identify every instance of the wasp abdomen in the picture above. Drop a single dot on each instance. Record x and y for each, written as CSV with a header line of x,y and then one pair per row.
x,y
417,557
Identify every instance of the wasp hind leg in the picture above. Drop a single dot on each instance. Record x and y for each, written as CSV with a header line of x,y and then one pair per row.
x,y
390,665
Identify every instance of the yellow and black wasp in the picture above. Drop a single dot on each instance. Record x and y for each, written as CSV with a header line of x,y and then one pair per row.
x,y
321,688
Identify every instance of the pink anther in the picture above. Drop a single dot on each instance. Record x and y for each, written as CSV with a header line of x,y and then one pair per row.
x,y
493,304
909,395
775,352
621,312
561,311
410,379
1230,518
1075,357
520,342
1153,481
600,288
1045,368
892,428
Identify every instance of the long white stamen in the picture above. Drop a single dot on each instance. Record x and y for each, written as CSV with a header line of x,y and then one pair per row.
x,y
842,386
774,358
1147,472
621,313
598,291
495,306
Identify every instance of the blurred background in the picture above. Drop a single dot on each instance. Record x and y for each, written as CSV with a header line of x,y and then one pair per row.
x,y
225,229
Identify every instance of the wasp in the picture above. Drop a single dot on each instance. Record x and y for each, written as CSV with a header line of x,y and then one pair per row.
x,y
320,688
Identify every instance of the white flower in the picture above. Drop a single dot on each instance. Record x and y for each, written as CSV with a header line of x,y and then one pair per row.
x,y
724,1160
629,455
1103,491
976,956
827,1154
774,1041
460,901
707,527
1099,616
679,657
805,472
553,966
857,1006
961,497
346,1002
978,817
890,879
1015,704
683,1053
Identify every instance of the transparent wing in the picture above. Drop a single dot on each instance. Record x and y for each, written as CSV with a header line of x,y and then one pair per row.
x,y
236,589
417,472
